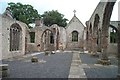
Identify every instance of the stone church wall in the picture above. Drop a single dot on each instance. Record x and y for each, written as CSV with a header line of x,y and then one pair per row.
x,y
112,47
6,24
75,25
0,37
63,37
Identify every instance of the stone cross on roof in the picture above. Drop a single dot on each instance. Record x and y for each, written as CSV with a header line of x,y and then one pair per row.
x,y
74,12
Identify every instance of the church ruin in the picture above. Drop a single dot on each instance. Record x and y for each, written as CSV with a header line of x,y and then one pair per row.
x,y
95,37
52,39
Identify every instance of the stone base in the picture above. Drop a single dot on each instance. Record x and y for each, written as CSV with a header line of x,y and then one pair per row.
x,y
95,55
118,76
4,71
104,62
47,52
34,59
52,52
3,67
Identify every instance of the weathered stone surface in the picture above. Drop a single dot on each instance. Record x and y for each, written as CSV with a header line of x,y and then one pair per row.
x,y
34,59
5,73
3,67
76,71
6,24
104,62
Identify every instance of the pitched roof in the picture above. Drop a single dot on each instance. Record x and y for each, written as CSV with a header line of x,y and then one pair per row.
x,y
73,18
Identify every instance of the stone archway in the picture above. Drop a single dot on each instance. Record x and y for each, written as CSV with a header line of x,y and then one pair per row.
x,y
90,38
118,50
95,34
55,31
47,39
105,25
15,37
115,31
118,41
99,40
57,39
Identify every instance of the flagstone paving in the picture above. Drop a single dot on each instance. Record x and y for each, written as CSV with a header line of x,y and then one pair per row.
x,y
67,64
56,66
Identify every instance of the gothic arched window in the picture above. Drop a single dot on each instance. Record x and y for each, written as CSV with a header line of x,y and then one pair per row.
x,y
51,38
15,37
75,36
113,36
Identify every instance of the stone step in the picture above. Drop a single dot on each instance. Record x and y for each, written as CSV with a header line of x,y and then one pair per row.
x,y
3,67
4,73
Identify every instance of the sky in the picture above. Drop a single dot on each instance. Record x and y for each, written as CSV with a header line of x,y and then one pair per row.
x,y
84,8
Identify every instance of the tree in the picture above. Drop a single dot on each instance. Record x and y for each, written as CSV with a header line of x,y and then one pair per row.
x,y
54,17
24,13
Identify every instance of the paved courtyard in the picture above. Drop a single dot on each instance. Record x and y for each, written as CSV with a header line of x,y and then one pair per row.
x,y
61,65
94,70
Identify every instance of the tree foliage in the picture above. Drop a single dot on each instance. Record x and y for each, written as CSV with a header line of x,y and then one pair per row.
x,y
24,13
54,17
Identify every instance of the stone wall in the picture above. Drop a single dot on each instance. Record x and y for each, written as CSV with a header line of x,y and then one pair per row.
x,y
1,38
112,48
31,47
75,25
6,24
100,31
62,37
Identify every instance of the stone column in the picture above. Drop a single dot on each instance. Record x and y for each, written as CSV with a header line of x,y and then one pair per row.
x,y
99,41
104,47
87,42
119,52
90,44
104,59
55,39
94,46
48,40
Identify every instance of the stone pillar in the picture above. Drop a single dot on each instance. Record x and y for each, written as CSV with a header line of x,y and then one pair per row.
x,y
94,46
4,71
55,39
90,44
104,47
48,41
99,41
119,52
104,58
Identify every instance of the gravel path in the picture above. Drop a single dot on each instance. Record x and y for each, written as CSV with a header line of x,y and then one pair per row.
x,y
98,70
56,66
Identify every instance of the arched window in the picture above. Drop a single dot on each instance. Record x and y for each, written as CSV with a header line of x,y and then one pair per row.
x,y
32,37
15,37
51,38
90,29
75,36
113,36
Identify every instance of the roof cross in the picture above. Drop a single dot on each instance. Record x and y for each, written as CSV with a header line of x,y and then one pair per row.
x,y
74,12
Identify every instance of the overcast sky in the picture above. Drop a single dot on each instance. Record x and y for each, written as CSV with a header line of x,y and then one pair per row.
x,y
84,8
